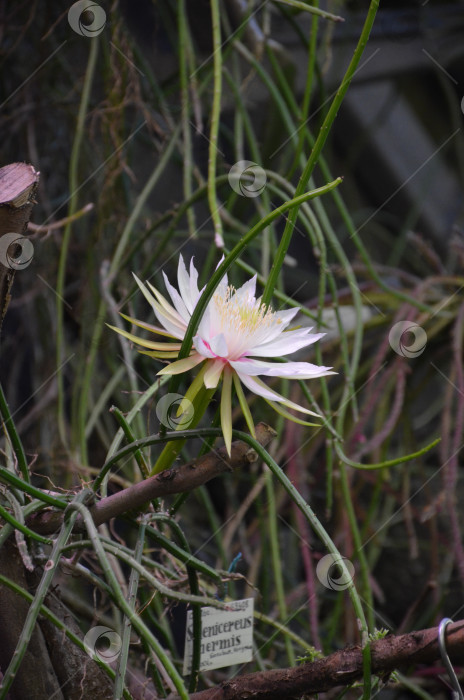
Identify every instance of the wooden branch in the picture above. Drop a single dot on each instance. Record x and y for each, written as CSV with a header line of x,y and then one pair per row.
x,y
18,186
36,676
178,479
339,669
78,675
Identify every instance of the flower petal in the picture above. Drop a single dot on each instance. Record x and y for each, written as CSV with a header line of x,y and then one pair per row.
x,y
167,347
177,300
224,283
226,409
202,348
213,373
170,320
182,365
280,321
258,387
278,408
284,317
247,292
160,355
167,308
146,326
289,370
218,345
188,284
285,344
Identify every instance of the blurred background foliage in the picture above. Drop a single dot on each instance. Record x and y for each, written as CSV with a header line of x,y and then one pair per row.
x,y
120,128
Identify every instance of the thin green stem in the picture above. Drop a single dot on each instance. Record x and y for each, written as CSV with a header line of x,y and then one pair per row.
x,y
184,41
127,626
316,151
13,435
195,589
114,267
17,525
303,117
215,116
73,205
138,455
388,462
7,477
172,449
121,602
276,560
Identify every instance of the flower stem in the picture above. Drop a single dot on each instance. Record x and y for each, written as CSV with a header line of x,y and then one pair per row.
x,y
73,204
316,151
215,115
172,449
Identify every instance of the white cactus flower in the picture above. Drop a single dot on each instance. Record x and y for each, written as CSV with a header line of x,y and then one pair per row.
x,y
234,334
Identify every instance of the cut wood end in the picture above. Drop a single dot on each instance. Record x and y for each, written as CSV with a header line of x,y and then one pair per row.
x,y
18,182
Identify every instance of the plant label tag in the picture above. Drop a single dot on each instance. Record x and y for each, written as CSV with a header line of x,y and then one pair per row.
x,y
226,636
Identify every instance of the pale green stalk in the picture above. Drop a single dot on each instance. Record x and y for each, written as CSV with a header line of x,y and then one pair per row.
x,y
387,462
140,459
215,117
73,205
195,589
314,9
103,398
184,40
13,435
276,561
304,112
11,479
121,602
330,546
17,523
101,312
26,510
127,626
317,148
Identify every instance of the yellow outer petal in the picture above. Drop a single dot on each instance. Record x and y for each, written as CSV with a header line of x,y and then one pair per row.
x,y
168,347
165,310
226,408
147,326
159,355
213,373
182,365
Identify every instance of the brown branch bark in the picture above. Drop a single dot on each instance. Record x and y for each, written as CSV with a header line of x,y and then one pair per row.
x,y
18,185
36,677
78,675
341,668
52,666
178,479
